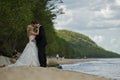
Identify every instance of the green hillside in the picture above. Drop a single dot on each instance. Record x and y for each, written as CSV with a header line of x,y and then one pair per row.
x,y
83,46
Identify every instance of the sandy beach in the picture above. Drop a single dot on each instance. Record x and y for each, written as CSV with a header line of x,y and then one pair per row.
x,y
49,73
71,61
38,73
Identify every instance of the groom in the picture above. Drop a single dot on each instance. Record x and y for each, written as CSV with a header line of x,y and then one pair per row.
x,y
41,43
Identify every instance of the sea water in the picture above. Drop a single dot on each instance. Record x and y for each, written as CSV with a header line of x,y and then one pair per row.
x,y
109,68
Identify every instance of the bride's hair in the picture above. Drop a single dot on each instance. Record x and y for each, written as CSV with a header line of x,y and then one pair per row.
x,y
34,22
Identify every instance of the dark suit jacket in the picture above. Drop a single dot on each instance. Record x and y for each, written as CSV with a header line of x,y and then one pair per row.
x,y
41,37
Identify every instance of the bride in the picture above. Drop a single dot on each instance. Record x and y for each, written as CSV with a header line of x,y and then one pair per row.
x,y
29,57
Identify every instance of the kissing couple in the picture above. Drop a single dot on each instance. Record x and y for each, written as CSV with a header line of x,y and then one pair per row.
x,y
34,52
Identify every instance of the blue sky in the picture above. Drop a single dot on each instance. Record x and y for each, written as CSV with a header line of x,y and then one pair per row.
x,y
98,19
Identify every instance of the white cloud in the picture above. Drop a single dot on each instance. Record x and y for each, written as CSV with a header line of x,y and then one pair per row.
x,y
65,19
97,38
105,23
113,41
105,12
89,14
117,2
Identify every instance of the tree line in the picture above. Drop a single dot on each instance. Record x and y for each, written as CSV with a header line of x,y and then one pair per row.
x,y
15,15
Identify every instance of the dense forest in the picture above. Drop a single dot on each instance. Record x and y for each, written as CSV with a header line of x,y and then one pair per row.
x,y
15,15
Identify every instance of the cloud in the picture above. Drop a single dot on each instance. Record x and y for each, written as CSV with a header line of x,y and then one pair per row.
x,y
113,41
117,2
64,19
105,12
97,38
84,14
104,24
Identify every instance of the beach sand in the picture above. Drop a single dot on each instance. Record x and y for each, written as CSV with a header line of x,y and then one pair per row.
x,y
39,73
49,73
71,61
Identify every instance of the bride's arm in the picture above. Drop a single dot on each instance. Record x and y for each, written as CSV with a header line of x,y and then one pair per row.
x,y
34,33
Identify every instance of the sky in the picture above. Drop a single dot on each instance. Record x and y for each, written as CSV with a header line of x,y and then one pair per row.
x,y
98,19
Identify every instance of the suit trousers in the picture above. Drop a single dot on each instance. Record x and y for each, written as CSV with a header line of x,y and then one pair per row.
x,y
42,56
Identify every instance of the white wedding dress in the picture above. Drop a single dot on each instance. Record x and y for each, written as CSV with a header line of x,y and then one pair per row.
x,y
29,57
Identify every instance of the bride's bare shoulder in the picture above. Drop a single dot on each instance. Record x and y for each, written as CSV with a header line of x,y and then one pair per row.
x,y
29,27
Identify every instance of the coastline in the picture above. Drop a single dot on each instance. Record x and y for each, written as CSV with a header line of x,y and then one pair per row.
x,y
70,61
49,73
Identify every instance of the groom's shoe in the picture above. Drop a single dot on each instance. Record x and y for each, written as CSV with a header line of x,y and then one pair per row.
x,y
43,65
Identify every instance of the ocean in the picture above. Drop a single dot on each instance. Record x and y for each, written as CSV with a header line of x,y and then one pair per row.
x,y
109,68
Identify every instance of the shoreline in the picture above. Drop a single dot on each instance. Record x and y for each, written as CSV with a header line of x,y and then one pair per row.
x,y
49,73
70,61
73,61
